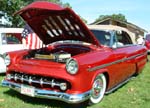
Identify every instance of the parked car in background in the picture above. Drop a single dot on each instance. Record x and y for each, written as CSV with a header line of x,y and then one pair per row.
x,y
79,63
10,40
147,42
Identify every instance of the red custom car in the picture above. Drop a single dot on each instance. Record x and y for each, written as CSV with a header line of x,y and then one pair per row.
x,y
78,63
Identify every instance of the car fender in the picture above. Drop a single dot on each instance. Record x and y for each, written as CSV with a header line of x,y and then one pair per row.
x,y
100,71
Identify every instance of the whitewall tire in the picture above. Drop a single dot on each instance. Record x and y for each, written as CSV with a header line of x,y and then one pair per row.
x,y
98,89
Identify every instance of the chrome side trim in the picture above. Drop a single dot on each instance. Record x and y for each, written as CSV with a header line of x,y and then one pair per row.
x,y
104,65
132,57
68,98
115,62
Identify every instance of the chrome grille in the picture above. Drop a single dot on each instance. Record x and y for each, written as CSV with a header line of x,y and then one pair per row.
x,y
37,81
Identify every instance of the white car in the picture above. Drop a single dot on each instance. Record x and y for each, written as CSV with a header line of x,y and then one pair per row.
x,y
10,40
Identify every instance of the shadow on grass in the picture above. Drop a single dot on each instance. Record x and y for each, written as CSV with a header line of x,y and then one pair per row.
x,y
45,102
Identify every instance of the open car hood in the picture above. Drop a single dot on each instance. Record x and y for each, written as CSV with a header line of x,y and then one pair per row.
x,y
52,23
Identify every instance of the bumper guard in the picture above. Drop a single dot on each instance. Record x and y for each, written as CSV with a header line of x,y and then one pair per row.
x,y
68,98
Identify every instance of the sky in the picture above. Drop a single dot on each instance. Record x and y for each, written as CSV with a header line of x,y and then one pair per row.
x,y
135,11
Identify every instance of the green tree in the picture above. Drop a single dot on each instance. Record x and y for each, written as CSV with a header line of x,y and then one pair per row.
x,y
9,7
119,17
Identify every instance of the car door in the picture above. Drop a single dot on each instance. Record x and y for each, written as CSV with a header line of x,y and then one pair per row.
x,y
123,49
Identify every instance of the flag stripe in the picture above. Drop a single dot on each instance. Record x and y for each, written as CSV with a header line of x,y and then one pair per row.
x,y
32,40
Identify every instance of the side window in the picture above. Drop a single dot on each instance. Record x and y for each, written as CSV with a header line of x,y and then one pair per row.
x,y
122,39
11,38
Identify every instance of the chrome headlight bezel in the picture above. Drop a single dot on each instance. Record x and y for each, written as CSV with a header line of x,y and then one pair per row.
x,y
72,66
7,59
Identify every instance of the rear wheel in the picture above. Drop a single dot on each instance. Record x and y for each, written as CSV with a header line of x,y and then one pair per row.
x,y
98,89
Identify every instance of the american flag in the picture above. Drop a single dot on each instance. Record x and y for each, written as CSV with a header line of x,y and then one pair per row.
x,y
30,39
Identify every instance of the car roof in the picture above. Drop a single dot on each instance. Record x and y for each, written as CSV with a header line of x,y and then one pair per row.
x,y
113,27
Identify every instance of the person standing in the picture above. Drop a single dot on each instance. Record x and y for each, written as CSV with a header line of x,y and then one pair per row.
x,y
140,40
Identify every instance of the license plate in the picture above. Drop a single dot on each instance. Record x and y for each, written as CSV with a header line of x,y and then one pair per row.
x,y
27,90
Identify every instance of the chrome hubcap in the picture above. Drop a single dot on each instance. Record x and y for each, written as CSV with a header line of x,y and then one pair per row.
x,y
97,87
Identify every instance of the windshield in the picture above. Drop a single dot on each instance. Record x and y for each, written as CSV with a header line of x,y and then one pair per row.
x,y
103,37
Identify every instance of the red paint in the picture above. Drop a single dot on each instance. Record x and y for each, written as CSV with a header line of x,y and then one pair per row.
x,y
120,63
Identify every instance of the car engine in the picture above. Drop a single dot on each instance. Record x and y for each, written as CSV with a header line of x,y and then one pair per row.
x,y
59,53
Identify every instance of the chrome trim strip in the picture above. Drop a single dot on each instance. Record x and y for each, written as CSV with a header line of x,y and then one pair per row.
x,y
68,98
115,62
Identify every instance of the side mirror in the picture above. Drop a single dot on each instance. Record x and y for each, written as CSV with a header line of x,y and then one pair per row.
x,y
114,47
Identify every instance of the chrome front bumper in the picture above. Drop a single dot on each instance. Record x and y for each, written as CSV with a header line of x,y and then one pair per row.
x,y
69,98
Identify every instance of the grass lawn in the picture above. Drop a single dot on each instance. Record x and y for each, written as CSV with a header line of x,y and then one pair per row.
x,y
134,94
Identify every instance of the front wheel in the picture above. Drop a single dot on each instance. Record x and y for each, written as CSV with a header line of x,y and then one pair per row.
x,y
98,89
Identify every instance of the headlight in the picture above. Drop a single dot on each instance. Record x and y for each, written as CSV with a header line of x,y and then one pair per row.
x,y
7,59
71,66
